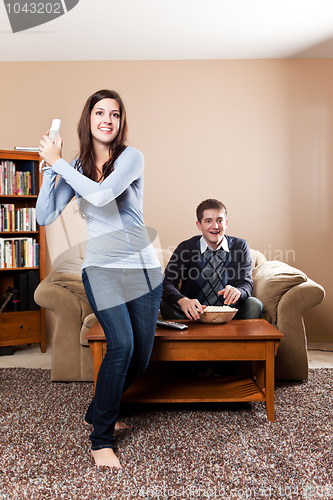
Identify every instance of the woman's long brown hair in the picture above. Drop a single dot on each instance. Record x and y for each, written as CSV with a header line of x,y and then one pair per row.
x,y
86,158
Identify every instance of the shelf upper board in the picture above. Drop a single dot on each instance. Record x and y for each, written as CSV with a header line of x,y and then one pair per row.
x,y
17,268
34,196
19,155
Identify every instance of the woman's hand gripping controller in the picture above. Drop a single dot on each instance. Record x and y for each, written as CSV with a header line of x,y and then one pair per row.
x,y
53,134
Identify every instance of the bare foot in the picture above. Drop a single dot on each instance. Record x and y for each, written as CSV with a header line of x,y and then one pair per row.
x,y
120,425
106,457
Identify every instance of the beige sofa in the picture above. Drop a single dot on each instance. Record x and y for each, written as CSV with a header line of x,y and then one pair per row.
x,y
285,292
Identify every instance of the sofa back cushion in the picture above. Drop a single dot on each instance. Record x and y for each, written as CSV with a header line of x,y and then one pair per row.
x,y
69,275
70,266
257,258
270,278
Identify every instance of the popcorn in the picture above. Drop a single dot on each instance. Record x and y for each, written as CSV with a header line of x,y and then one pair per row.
x,y
215,309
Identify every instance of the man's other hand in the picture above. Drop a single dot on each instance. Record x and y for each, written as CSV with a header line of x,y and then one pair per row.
x,y
230,294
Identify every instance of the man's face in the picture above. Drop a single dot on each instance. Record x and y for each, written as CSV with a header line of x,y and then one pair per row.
x,y
213,226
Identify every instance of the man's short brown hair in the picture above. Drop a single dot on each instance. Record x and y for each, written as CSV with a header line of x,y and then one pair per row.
x,y
210,204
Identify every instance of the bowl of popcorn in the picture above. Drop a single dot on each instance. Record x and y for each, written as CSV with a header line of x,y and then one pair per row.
x,y
218,314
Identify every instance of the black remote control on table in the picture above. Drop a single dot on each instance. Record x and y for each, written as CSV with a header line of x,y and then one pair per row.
x,y
171,324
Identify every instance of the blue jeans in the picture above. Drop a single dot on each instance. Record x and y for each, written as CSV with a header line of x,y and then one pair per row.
x,y
129,323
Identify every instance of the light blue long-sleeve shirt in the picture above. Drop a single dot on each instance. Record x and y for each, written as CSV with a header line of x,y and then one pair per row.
x,y
117,236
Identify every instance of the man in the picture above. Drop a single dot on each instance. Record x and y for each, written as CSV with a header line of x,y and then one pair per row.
x,y
213,269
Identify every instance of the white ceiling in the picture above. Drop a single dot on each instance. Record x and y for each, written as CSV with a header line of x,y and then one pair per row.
x,y
176,29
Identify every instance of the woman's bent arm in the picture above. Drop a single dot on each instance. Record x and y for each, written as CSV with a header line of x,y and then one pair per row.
x,y
128,168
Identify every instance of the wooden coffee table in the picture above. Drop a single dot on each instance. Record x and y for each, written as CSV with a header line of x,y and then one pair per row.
x,y
253,340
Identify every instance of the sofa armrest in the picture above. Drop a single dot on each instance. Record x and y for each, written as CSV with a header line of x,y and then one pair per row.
x,y
292,358
69,312
54,297
88,322
300,298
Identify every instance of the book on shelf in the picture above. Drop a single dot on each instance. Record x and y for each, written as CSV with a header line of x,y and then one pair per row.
x,y
15,300
33,282
25,283
18,252
21,284
18,182
17,219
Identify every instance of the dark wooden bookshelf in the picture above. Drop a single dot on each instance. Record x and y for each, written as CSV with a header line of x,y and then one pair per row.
x,y
28,326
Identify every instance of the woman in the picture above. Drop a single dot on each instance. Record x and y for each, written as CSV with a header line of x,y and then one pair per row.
x,y
120,272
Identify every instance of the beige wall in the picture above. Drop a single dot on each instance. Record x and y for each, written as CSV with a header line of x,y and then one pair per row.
x,y
255,134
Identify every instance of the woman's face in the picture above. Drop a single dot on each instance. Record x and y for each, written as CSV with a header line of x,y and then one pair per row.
x,y
105,121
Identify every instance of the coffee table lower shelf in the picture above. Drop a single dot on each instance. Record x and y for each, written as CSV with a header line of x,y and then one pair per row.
x,y
197,390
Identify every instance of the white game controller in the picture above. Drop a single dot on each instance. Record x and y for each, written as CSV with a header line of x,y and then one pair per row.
x,y
53,134
55,129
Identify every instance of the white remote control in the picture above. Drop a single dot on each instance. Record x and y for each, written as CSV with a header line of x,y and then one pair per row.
x,y
55,129
53,134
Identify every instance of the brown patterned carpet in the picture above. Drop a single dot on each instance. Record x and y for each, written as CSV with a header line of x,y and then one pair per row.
x,y
207,451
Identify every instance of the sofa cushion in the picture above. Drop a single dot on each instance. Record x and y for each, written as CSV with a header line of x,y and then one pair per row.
x,y
69,265
71,281
257,257
271,280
